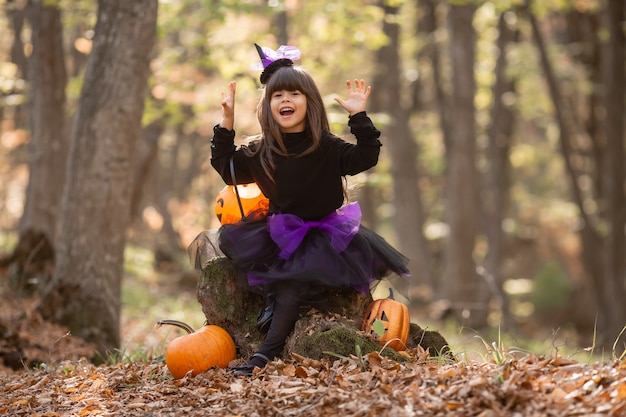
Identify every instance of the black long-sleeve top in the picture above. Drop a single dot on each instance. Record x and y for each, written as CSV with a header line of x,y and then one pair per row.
x,y
309,186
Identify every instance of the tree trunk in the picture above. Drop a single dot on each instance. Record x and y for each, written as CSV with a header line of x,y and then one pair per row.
x,y
600,250
388,97
147,155
170,186
281,23
16,15
461,285
583,31
85,290
33,255
614,174
48,143
369,196
495,196
227,302
429,25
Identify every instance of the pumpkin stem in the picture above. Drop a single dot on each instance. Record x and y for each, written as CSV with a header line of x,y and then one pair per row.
x,y
391,293
176,323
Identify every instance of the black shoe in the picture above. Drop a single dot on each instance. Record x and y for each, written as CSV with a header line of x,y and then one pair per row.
x,y
243,370
258,360
264,319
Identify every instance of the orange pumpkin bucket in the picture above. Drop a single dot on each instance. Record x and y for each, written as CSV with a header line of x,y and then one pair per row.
x,y
395,320
251,197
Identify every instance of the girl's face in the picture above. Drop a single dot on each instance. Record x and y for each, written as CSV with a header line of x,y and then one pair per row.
x,y
289,110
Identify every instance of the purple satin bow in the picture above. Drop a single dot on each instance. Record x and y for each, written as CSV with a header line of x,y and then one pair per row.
x,y
288,230
269,56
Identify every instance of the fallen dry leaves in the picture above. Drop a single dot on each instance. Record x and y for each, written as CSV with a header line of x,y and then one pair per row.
x,y
26,339
526,386
373,386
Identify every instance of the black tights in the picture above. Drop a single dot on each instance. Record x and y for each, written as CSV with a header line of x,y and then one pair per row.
x,y
288,296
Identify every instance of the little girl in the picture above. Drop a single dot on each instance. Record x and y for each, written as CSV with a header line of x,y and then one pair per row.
x,y
309,239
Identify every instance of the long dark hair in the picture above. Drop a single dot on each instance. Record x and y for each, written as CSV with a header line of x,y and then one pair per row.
x,y
289,78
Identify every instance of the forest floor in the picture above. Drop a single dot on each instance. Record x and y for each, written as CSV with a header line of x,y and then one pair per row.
x,y
56,380
43,371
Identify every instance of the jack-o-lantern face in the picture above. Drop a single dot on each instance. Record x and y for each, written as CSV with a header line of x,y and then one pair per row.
x,y
395,320
252,201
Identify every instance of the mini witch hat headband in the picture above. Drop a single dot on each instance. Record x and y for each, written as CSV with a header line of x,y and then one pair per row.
x,y
272,60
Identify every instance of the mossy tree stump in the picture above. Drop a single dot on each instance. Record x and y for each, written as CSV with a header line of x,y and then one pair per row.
x,y
229,303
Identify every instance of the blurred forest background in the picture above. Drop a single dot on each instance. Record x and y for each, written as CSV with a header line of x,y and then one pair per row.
x,y
502,173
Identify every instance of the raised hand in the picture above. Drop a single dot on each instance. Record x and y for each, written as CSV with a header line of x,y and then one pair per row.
x,y
357,97
228,106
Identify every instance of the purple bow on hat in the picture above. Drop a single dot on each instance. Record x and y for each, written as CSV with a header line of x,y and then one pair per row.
x,y
288,230
268,55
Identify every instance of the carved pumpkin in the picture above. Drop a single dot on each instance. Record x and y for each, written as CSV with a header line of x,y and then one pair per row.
x,y
198,350
252,200
390,316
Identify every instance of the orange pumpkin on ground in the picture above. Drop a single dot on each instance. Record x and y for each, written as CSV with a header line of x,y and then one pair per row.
x,y
390,316
198,350
252,199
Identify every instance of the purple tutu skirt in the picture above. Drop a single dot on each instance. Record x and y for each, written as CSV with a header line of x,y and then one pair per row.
x,y
337,251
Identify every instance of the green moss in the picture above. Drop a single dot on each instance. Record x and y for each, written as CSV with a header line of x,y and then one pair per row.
x,y
229,304
341,341
214,266
431,341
